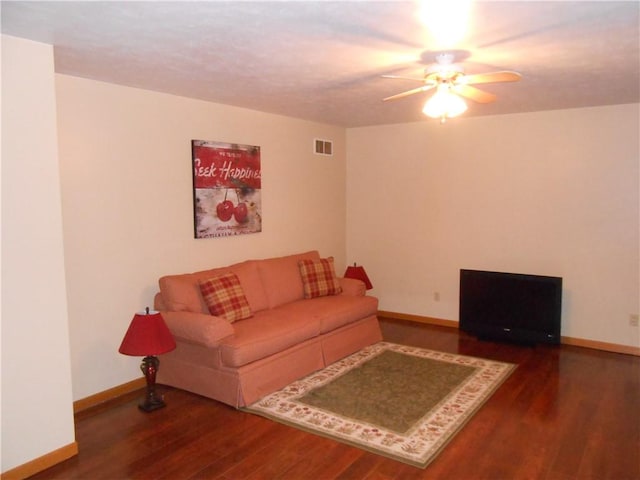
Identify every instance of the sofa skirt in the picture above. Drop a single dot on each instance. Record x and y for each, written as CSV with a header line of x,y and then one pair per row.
x,y
195,368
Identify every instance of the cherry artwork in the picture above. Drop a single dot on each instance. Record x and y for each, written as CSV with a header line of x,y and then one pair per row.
x,y
226,210
240,212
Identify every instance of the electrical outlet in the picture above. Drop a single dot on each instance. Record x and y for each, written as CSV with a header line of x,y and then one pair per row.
x,y
436,296
634,320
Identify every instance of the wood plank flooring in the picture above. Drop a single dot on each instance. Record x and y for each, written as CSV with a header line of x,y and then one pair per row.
x,y
565,413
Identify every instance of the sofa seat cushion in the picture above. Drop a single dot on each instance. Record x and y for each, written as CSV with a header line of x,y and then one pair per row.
x,y
266,333
274,330
334,311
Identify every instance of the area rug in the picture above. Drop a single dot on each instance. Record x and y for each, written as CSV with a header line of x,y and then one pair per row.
x,y
402,402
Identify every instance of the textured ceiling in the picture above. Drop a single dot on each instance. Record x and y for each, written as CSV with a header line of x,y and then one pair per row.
x,y
323,60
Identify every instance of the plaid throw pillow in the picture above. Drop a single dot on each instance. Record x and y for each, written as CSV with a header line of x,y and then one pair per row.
x,y
225,298
319,278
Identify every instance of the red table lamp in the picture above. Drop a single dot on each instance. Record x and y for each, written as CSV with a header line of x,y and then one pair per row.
x,y
359,274
148,336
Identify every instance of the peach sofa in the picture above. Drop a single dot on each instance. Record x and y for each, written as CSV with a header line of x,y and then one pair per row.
x,y
287,337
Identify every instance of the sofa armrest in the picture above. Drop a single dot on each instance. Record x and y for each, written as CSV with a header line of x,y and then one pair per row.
x,y
352,287
198,328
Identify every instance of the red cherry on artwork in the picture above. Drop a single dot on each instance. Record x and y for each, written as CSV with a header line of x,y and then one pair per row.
x,y
240,212
225,210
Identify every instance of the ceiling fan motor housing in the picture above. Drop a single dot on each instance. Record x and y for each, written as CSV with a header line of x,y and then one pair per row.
x,y
444,69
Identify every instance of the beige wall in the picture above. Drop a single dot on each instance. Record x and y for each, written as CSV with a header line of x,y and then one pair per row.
x,y
125,159
551,193
37,415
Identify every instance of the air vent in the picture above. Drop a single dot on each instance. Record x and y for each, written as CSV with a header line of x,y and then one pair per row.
x,y
323,147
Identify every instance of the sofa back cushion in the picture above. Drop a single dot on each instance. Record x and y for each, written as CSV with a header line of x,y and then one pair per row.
x,y
181,293
281,277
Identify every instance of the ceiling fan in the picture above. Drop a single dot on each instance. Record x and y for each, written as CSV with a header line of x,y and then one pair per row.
x,y
450,82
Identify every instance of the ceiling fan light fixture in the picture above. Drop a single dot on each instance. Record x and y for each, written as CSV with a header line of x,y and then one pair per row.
x,y
444,104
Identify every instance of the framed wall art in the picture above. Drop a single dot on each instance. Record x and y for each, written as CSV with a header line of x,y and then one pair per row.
x,y
226,189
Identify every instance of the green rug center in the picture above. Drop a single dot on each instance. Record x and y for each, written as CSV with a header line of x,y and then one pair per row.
x,y
392,390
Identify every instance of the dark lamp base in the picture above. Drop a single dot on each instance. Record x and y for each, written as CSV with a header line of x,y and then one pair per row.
x,y
149,405
152,401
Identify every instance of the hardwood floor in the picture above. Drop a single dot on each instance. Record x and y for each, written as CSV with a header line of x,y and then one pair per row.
x,y
565,413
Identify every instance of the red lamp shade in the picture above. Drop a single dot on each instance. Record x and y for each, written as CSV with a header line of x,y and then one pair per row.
x,y
147,335
359,274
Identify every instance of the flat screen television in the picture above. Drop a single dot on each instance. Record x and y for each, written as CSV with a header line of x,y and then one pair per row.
x,y
510,306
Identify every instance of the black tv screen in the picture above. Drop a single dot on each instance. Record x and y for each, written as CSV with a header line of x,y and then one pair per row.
x,y
510,306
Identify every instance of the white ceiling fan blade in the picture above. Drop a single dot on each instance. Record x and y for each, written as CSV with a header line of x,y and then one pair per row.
x,y
423,88
474,93
399,77
493,77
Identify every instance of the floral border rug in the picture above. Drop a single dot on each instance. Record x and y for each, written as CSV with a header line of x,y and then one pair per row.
x,y
402,402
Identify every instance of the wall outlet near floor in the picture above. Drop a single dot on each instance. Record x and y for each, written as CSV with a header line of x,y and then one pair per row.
x,y
436,296
634,320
